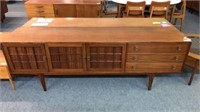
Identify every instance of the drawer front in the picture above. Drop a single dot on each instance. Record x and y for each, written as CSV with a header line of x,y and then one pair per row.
x,y
4,73
158,48
155,57
41,15
153,67
39,8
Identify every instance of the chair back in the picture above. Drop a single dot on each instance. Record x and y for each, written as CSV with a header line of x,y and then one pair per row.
x,y
159,9
181,7
135,8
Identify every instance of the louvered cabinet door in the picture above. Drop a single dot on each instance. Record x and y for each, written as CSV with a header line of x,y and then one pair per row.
x,y
26,58
105,57
65,57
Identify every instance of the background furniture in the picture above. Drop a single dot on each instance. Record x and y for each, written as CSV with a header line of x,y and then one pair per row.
x,y
134,9
148,2
3,10
102,50
159,9
193,4
193,58
179,13
121,4
63,8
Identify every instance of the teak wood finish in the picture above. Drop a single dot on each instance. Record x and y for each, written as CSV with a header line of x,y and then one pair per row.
x,y
62,8
102,22
78,50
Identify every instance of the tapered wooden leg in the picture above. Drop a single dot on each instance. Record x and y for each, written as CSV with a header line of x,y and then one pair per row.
x,y
42,80
182,22
193,72
118,10
175,21
151,77
12,84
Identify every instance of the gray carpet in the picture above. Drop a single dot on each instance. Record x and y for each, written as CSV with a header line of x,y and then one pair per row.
x,y
170,92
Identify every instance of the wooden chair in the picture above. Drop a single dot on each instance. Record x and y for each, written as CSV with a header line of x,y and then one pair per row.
x,y
134,9
179,13
4,72
159,9
193,58
104,10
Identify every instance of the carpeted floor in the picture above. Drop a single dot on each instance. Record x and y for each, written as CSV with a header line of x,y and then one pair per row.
x,y
170,92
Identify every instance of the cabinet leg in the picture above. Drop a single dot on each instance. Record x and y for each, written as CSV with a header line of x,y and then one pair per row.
x,y
42,80
193,72
151,77
12,84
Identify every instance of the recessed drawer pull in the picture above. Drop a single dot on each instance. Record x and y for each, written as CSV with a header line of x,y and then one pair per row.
x,y
135,58
176,58
133,67
39,6
173,67
40,11
179,48
136,48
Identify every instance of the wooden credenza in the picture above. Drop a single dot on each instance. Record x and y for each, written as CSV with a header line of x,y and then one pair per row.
x,y
193,4
63,8
101,50
3,9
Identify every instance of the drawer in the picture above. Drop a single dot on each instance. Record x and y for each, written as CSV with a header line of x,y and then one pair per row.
x,y
41,15
155,58
4,74
39,8
158,48
153,67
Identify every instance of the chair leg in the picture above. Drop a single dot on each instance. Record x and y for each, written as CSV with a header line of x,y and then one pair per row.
x,y
175,21
42,80
151,78
12,84
182,22
193,72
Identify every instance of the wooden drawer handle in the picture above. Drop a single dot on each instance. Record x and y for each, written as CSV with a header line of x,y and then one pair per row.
x,y
176,58
173,67
136,48
135,58
40,11
133,67
179,48
39,6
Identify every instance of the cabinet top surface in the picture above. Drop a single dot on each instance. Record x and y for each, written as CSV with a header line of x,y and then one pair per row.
x,y
63,2
99,22
94,35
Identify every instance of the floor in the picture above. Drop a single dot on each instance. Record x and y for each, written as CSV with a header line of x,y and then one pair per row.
x,y
170,92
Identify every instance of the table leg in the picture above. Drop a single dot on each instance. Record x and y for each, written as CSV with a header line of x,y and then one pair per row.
x,y
151,77
42,80
119,9
193,72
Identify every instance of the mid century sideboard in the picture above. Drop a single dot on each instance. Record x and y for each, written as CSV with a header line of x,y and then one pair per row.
x,y
62,8
101,50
